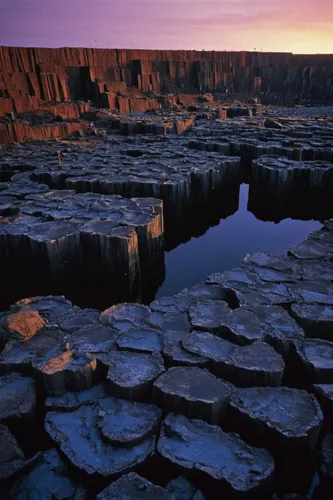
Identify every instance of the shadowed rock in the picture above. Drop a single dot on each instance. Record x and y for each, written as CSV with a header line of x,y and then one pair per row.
x,y
12,458
80,439
316,320
134,487
40,348
48,479
67,371
209,314
17,398
177,355
125,316
257,364
224,458
209,346
184,490
192,391
131,375
94,339
73,400
316,357
124,423
326,458
324,393
142,340
281,418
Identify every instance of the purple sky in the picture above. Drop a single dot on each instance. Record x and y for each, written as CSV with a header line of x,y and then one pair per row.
x,y
280,25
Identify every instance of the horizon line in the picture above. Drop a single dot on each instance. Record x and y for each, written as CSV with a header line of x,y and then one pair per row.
x,y
168,49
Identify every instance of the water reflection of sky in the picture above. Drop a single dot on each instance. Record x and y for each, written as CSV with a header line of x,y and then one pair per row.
x,y
224,246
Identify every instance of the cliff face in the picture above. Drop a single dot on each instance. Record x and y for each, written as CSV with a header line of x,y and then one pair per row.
x,y
29,76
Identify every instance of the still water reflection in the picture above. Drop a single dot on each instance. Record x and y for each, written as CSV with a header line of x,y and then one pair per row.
x,y
224,246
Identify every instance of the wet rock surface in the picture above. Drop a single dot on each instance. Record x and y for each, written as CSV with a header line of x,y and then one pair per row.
x,y
226,459
79,436
248,350
281,417
194,392
131,375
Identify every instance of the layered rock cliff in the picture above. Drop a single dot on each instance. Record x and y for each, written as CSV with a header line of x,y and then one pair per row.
x,y
115,78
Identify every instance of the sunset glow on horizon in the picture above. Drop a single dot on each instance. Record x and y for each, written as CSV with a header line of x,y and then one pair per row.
x,y
268,25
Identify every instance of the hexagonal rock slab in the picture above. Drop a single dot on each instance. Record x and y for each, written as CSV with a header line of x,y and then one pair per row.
x,y
316,320
67,371
226,459
12,458
313,292
94,339
184,490
134,487
17,398
80,439
208,345
281,418
49,307
23,325
22,357
142,340
316,358
125,316
131,375
324,393
192,391
48,479
209,314
176,355
73,400
257,364
124,423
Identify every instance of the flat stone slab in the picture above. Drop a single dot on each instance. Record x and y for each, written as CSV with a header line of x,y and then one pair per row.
x,y
282,418
17,398
196,445
315,319
316,356
313,292
208,314
94,339
141,340
125,316
48,479
39,349
68,371
12,459
124,423
80,439
73,400
134,487
192,391
50,307
176,355
131,375
257,364
208,345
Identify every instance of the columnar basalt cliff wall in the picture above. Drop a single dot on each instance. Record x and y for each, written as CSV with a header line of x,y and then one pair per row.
x,y
106,76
